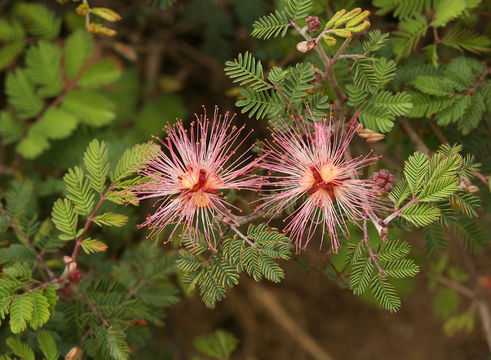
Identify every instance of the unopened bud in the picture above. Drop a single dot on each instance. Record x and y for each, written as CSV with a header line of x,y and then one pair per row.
x,y
358,19
347,17
101,30
342,33
82,9
466,184
75,353
107,14
305,46
335,17
370,135
362,27
330,41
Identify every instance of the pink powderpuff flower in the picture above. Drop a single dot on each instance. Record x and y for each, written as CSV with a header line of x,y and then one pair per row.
x,y
188,174
310,163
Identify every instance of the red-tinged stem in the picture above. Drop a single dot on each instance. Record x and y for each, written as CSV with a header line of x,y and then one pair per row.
x,y
373,256
88,222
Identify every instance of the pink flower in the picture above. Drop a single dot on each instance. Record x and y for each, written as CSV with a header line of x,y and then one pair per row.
x,y
189,173
310,164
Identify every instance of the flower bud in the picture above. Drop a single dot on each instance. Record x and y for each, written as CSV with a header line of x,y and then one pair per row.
x,y
347,17
362,27
82,9
107,14
342,33
370,135
335,17
75,353
330,41
305,46
358,19
101,30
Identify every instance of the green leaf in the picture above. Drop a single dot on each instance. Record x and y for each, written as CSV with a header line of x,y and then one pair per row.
x,y
447,10
47,345
385,293
219,345
20,349
454,112
20,269
89,106
461,38
134,159
413,29
247,71
11,30
435,239
78,50
16,253
439,189
271,270
22,94
79,191
96,162
394,250
398,104
38,20
43,67
92,245
111,219
32,146
446,303
415,171
258,104
376,118
472,234
299,9
473,114
433,85
10,52
19,197
401,269
101,73
65,218
55,124
11,128
20,312
462,322
40,309
400,193
114,341
272,25
361,275
466,203
421,214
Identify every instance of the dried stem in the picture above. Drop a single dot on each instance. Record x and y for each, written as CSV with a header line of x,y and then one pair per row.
x,y
241,235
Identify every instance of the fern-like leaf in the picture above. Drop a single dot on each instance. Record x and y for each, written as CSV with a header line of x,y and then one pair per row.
x,y
96,162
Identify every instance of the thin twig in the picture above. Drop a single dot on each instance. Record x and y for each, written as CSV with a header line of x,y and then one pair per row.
x,y
373,256
340,50
456,286
399,211
418,143
267,301
241,235
242,220
88,222
90,305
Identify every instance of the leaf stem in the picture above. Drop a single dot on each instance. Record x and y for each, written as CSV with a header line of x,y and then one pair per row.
x,y
399,211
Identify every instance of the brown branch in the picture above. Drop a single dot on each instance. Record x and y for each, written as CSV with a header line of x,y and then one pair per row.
x,y
273,307
418,143
399,211
464,290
